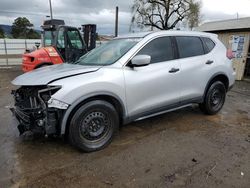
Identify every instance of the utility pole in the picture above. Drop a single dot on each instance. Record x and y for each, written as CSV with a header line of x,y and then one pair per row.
x,y
152,28
50,7
116,20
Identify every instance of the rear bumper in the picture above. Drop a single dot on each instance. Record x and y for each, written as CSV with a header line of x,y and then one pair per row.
x,y
230,87
232,78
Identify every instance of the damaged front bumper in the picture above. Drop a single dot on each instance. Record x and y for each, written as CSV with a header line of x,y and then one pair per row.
x,y
36,111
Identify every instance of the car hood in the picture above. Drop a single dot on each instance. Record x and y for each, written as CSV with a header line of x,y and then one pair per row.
x,y
45,75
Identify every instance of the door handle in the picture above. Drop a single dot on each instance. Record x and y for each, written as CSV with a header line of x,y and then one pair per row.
x,y
174,70
209,62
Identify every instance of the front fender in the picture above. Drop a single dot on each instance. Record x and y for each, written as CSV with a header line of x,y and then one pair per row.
x,y
76,89
82,99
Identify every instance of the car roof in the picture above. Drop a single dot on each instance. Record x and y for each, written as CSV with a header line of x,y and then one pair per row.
x,y
168,32
134,35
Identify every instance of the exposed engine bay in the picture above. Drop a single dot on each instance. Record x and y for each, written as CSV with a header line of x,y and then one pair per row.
x,y
32,111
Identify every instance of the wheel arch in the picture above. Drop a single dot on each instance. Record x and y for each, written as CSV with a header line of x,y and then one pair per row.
x,y
109,97
217,77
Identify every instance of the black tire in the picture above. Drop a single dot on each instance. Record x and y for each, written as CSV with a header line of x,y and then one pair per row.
x,y
214,98
93,126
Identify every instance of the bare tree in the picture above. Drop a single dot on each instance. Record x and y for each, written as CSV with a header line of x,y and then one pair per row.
x,y
162,14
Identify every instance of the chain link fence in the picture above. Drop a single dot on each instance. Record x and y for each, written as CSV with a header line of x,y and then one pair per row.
x,y
11,50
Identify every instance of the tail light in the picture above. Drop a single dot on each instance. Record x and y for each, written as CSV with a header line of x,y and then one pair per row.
x,y
230,54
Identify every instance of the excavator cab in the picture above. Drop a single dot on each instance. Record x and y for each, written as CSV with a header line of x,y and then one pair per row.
x,y
60,44
65,39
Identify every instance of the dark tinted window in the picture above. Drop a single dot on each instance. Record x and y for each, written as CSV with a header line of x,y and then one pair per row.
x,y
159,49
209,44
189,46
48,37
60,39
75,39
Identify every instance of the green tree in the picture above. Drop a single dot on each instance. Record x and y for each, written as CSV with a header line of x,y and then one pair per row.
x,y
22,28
162,14
2,35
194,16
32,34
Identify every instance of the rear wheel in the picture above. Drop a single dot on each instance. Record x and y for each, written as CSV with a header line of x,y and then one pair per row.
x,y
214,99
93,125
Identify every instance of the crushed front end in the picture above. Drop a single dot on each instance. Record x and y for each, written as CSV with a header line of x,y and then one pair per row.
x,y
36,111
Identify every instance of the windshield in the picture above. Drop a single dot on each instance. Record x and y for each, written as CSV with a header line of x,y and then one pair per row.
x,y
108,53
48,37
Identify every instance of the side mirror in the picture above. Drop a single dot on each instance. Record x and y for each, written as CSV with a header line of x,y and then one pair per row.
x,y
141,60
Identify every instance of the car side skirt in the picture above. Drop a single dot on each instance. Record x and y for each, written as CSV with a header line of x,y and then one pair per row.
x,y
162,110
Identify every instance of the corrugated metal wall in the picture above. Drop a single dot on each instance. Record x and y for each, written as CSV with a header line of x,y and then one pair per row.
x,y
238,63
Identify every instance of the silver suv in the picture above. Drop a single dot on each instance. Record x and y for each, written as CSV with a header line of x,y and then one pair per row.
x,y
127,79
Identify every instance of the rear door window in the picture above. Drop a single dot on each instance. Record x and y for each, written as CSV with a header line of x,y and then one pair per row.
x,y
159,49
189,46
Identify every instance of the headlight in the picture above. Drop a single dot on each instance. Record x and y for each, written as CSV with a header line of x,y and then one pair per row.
x,y
46,93
54,103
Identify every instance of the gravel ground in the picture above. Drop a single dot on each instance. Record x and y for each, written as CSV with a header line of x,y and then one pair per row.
x,y
180,149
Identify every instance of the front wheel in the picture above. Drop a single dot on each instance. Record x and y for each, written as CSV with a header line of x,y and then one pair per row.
x,y
214,98
93,125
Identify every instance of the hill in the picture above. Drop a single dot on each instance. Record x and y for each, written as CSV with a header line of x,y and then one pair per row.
x,y
8,28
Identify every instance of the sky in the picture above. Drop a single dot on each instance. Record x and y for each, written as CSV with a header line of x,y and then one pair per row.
x,y
102,12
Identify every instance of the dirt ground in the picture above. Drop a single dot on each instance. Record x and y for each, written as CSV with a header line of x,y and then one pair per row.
x,y
180,149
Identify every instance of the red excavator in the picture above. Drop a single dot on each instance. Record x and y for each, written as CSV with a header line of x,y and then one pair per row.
x,y
60,43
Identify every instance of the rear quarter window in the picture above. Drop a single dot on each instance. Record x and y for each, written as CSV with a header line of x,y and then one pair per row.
x,y
189,46
209,44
